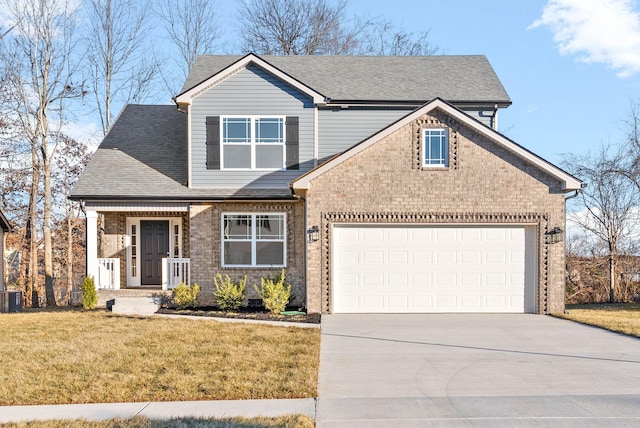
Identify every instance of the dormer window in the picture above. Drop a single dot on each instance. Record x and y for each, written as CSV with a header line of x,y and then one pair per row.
x,y
435,148
253,142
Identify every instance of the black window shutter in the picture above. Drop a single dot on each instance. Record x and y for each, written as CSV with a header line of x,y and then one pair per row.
x,y
213,142
293,137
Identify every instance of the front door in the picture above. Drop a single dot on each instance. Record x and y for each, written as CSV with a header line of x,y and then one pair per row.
x,y
154,247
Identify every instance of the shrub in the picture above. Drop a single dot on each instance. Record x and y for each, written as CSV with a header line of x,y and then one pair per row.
x,y
229,294
274,292
89,295
185,296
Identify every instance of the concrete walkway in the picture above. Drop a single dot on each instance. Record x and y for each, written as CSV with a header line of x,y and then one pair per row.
x,y
163,410
475,371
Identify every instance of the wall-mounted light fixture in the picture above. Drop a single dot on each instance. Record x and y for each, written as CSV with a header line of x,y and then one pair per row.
x,y
313,234
554,236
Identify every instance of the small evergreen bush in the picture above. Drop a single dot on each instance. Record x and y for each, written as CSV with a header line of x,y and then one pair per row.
x,y
89,295
185,296
229,294
274,292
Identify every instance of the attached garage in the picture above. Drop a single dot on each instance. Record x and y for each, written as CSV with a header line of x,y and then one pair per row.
x,y
427,268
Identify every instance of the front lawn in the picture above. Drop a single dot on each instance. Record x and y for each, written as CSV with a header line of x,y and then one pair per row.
x,y
96,357
621,318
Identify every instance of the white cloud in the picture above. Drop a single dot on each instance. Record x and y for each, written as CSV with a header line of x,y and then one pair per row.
x,y
602,31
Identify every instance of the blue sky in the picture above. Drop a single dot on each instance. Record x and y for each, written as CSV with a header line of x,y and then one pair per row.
x,y
561,102
571,78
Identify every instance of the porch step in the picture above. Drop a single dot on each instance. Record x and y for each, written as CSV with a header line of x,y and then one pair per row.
x,y
128,305
106,297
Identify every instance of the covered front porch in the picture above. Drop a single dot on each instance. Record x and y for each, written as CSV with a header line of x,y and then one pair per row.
x,y
139,246
173,272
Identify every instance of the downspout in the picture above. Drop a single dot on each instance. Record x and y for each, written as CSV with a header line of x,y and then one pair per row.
x,y
494,117
577,192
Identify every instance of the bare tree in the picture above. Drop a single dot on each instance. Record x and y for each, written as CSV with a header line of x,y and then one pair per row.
x,y
73,156
38,56
381,37
294,27
192,28
120,70
317,27
609,205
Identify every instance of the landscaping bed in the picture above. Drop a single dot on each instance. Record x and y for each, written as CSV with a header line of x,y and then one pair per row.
x,y
249,313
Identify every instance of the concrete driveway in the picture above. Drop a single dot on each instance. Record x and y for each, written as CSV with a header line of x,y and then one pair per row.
x,y
475,371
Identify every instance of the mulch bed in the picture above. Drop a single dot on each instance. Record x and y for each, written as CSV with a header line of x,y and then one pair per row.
x,y
242,313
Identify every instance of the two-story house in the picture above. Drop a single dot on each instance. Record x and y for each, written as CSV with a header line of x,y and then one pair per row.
x,y
380,183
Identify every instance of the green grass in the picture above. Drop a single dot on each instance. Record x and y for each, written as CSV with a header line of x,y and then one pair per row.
x,y
66,357
621,318
292,421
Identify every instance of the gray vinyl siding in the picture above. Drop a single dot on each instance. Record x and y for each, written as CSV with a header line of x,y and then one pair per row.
x,y
251,91
338,130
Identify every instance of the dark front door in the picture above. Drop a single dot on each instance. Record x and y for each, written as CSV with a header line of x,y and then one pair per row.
x,y
154,246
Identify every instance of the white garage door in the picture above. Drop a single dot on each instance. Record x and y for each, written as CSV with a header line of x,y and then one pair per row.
x,y
421,269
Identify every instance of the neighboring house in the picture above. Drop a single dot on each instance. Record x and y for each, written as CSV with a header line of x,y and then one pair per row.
x,y
4,228
379,183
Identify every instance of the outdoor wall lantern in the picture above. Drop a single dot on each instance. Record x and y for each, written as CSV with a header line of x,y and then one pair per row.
x,y
554,236
313,234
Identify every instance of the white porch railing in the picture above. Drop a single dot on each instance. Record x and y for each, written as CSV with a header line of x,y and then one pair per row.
x,y
175,271
108,274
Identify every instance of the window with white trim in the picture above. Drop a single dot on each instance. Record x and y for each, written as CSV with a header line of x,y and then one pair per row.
x,y
253,240
435,147
253,142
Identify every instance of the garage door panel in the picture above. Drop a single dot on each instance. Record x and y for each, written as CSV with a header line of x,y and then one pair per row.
x,y
422,280
432,269
446,256
398,280
373,303
398,303
398,257
373,257
419,256
372,235
471,303
445,235
471,280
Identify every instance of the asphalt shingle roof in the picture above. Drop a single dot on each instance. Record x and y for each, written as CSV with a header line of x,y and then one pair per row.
x,y
378,78
144,156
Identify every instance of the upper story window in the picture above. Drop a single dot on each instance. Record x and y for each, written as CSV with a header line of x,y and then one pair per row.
x,y
253,142
248,142
435,147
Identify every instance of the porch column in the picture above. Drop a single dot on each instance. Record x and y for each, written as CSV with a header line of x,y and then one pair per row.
x,y
92,245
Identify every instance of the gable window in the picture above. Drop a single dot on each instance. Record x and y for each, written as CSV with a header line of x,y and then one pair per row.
x,y
253,240
435,147
253,142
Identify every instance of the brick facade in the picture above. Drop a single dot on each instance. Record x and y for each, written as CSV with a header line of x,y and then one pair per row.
x,y
484,184
206,229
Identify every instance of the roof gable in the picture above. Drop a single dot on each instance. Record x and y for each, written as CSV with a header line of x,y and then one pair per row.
x,y
193,89
569,182
458,78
